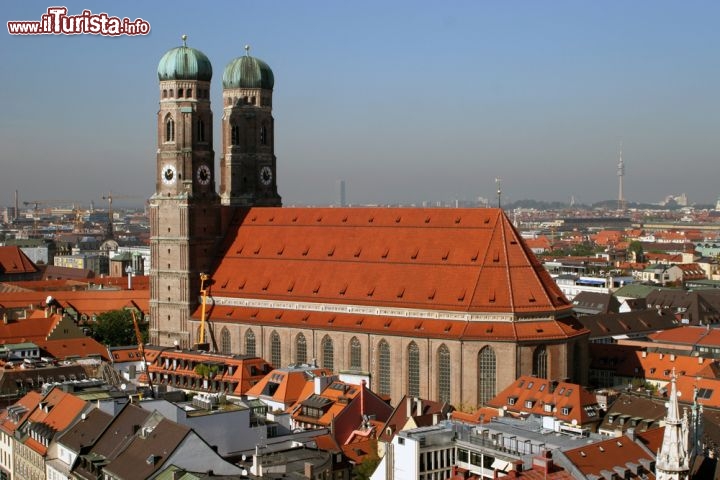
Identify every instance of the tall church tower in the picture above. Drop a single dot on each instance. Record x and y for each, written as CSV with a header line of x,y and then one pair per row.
x,y
184,211
248,175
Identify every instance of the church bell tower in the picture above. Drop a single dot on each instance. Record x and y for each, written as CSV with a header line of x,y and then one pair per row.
x,y
184,210
248,164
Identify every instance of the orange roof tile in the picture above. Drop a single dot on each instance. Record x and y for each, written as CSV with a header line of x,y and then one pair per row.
x,y
565,401
497,331
289,384
14,261
470,260
592,459
88,302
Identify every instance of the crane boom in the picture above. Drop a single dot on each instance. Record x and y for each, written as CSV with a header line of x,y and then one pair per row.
x,y
141,346
202,344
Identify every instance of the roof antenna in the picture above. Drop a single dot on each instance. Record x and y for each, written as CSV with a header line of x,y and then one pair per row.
x,y
247,50
184,39
499,191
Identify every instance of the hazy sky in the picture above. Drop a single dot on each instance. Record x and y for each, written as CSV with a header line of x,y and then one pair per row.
x,y
405,100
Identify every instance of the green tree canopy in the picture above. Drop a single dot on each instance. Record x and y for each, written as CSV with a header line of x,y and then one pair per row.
x,y
115,328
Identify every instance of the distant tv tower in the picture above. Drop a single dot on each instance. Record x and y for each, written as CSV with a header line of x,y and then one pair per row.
x,y
621,174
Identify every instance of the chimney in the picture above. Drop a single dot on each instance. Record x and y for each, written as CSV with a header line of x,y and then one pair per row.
x,y
630,433
419,407
408,404
644,354
700,360
672,357
436,418
309,470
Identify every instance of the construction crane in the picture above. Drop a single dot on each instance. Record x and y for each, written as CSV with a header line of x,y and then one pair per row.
x,y
141,346
202,345
110,197
46,203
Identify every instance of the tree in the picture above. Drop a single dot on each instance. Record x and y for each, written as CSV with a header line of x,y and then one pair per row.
x,y
365,469
115,329
635,249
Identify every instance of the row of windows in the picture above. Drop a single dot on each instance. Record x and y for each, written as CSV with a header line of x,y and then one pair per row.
x,y
187,93
235,135
170,129
486,362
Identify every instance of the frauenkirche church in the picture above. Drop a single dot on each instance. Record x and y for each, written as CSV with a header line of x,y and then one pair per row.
x,y
445,304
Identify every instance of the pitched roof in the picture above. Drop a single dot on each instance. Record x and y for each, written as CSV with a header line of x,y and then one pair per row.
x,y
88,302
467,260
86,432
13,261
565,401
285,385
608,455
628,323
147,453
407,408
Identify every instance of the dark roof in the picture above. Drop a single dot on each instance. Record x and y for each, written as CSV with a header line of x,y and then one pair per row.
x,y
629,323
148,450
118,433
85,432
589,303
698,307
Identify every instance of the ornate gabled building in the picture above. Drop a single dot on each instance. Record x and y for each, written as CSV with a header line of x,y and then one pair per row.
x,y
445,304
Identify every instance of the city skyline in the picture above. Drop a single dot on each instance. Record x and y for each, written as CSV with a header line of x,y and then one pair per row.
x,y
405,102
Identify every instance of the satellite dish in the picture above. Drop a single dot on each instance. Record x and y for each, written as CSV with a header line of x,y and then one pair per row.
x,y
49,300
574,421
679,394
123,387
83,416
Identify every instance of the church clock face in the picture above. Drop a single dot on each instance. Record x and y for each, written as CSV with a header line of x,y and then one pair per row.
x,y
168,175
203,174
266,175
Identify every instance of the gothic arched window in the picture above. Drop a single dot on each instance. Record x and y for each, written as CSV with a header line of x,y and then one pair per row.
x,y
250,343
540,362
355,354
328,353
486,375
300,349
413,366
384,371
225,342
200,130
275,352
443,362
234,134
263,135
169,129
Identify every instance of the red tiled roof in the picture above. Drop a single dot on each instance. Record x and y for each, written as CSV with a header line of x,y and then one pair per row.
x,y
57,410
470,260
14,261
592,459
88,302
659,366
498,331
708,390
291,384
83,347
566,401
686,335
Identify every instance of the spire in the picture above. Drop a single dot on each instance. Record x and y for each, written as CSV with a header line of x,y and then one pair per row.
x,y
673,458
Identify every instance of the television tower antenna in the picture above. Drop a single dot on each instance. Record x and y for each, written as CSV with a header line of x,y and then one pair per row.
x,y
499,190
621,174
